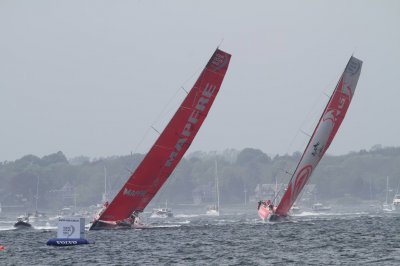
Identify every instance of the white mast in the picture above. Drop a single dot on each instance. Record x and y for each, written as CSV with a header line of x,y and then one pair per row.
x,y
387,188
216,184
37,194
105,185
245,195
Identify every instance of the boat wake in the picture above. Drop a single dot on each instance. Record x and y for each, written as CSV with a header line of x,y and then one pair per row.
x,y
7,228
302,214
159,226
45,227
186,215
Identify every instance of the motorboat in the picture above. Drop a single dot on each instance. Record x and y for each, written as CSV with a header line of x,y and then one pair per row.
x,y
22,223
162,213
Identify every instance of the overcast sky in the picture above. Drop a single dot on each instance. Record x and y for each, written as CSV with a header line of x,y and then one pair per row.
x,y
91,77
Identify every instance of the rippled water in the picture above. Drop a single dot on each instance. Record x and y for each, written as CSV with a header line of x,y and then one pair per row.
x,y
230,239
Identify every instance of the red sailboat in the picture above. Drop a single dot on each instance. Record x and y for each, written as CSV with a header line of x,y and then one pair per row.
x,y
320,140
167,151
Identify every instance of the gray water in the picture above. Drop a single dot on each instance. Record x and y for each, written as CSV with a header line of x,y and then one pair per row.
x,y
231,239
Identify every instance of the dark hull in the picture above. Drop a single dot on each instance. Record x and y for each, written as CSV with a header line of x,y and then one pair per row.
x,y
22,225
278,218
100,225
267,213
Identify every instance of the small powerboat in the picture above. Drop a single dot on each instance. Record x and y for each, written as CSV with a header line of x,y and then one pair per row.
x,y
22,223
162,213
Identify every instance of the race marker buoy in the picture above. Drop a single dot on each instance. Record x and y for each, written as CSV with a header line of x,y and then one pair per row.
x,y
67,241
71,231
2,247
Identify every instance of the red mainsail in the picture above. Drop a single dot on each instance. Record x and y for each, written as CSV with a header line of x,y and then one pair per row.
x,y
171,145
323,135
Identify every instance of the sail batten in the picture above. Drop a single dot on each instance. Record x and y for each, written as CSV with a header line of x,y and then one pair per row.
x,y
172,143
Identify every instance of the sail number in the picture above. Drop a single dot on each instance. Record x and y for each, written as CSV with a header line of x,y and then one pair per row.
x,y
218,59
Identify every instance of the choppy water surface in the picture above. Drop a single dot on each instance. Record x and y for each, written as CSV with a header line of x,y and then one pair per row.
x,y
230,239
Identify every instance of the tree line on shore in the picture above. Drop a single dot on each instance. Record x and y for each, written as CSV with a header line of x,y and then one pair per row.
x,y
361,175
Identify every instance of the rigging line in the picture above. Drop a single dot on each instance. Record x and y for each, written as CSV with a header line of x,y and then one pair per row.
x,y
156,130
164,109
129,170
117,181
277,193
222,40
141,140
303,122
305,133
282,187
316,101
182,86
354,50
319,120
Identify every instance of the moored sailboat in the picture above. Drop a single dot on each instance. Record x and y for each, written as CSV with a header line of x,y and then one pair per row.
x,y
386,207
319,142
396,203
168,150
213,210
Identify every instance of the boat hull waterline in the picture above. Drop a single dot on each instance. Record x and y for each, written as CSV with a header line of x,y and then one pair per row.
x,y
22,225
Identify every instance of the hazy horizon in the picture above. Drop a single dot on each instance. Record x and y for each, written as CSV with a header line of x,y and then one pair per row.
x,y
91,78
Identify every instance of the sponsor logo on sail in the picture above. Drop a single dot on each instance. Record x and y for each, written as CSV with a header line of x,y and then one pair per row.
x,y
354,66
301,180
133,193
219,61
191,122
315,149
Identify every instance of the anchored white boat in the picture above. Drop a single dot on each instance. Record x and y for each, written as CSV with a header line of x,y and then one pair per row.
x,y
386,207
213,210
162,212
